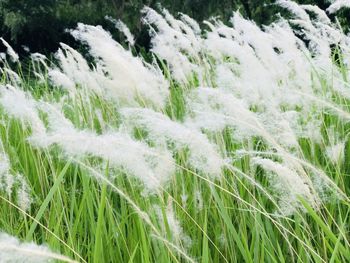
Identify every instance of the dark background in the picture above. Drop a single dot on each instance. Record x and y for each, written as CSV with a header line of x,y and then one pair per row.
x,y
40,24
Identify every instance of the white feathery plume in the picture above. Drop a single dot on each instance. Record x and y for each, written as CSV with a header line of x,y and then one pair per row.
x,y
12,76
38,56
193,24
169,218
337,5
214,109
294,8
152,166
13,250
336,152
175,42
175,225
13,55
126,76
6,178
322,16
19,104
10,183
163,131
288,184
61,80
24,199
76,68
123,28
199,200
321,35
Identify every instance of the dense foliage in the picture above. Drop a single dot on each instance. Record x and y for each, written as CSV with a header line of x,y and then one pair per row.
x,y
41,24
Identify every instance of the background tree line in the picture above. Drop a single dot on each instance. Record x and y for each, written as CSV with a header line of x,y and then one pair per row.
x,y
40,24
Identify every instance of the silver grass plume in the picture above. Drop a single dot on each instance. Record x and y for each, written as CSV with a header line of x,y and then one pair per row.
x,y
13,250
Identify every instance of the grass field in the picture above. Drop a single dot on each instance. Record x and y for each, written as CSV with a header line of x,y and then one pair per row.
x,y
228,145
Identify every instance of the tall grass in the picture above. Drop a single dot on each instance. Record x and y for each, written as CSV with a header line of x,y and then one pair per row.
x,y
229,145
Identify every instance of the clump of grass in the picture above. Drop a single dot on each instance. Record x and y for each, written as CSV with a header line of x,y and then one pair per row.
x,y
230,145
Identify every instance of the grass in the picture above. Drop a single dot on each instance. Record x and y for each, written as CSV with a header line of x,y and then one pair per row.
x,y
86,209
90,221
